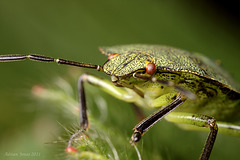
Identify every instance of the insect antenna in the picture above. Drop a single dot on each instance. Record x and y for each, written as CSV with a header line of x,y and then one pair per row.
x,y
34,57
185,92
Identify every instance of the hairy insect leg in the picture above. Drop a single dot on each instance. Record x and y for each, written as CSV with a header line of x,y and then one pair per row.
x,y
199,121
82,103
147,123
105,85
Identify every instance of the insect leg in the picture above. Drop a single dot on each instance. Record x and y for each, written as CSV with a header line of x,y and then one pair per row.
x,y
106,86
83,109
228,128
82,103
199,121
223,127
147,123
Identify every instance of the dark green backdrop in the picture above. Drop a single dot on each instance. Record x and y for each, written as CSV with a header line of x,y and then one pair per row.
x,y
73,30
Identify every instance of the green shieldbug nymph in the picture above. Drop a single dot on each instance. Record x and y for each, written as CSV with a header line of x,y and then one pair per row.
x,y
190,89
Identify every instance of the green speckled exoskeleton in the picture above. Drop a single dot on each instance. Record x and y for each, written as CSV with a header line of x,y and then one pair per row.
x,y
189,88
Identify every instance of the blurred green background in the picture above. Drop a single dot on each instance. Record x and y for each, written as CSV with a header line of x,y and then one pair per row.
x,y
73,30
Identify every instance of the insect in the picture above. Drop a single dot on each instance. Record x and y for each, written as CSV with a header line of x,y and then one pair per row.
x,y
197,90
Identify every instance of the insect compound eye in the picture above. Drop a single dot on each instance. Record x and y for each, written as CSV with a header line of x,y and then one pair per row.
x,y
150,68
112,55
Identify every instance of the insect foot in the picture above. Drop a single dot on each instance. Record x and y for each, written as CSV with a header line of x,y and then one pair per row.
x,y
135,137
75,135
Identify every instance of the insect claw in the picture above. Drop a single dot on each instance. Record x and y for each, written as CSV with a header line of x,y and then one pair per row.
x,y
135,137
74,136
